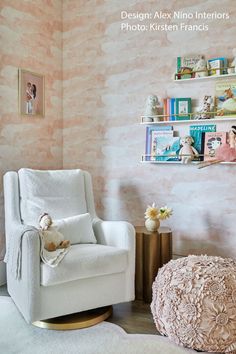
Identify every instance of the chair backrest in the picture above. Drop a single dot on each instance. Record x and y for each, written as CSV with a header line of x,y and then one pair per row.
x,y
61,193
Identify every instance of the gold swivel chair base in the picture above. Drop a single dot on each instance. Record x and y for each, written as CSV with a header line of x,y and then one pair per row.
x,y
76,320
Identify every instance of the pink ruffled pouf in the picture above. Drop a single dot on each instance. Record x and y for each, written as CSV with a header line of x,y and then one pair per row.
x,y
194,303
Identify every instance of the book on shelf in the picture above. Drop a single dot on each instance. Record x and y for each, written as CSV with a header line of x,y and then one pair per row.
x,y
172,109
197,132
188,61
169,109
225,98
166,146
217,66
213,140
183,107
150,130
155,137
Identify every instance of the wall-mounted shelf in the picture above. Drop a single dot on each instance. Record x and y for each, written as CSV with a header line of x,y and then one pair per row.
x,y
180,163
170,122
171,142
213,77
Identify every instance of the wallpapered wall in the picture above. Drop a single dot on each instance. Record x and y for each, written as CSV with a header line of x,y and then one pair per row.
x,y
107,76
31,39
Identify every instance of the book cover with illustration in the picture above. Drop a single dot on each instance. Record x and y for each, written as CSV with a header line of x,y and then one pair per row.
x,y
212,142
188,61
167,147
197,132
149,133
225,98
217,66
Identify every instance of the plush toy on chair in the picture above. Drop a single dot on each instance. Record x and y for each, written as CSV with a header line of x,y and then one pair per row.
x,y
52,238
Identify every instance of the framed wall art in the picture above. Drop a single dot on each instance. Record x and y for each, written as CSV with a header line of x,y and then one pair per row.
x,y
31,94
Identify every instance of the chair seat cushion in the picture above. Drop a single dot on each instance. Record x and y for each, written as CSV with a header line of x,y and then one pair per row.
x,y
85,261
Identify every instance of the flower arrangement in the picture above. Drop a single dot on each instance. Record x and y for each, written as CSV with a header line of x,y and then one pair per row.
x,y
153,213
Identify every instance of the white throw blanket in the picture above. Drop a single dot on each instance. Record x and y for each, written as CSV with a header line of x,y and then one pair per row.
x,y
13,256
52,258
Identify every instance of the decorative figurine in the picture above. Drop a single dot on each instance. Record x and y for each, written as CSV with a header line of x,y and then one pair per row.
x,y
206,108
201,68
187,152
151,108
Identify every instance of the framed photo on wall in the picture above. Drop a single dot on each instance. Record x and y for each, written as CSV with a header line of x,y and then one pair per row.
x,y
183,107
31,94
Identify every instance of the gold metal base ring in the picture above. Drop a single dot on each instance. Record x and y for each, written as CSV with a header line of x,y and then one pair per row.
x,y
76,320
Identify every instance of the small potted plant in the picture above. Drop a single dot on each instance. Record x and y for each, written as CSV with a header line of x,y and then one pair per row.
x,y
153,215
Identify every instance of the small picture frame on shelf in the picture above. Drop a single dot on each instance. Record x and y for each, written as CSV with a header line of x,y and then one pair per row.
x,y
183,108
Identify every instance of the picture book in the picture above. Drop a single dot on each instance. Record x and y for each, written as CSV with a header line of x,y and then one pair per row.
x,y
212,142
197,132
155,135
188,61
217,66
166,146
149,132
183,106
225,98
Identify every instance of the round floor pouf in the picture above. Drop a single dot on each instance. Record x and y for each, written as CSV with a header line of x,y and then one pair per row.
x,y
194,303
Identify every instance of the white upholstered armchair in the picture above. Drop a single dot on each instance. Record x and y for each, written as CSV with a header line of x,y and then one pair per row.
x,y
90,275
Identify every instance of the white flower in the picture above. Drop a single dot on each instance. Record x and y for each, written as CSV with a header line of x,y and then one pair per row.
x,y
164,213
153,213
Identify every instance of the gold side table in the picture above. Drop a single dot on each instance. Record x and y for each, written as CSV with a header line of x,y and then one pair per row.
x,y
153,250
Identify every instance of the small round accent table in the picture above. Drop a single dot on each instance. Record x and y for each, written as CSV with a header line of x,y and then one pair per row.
x,y
153,250
76,320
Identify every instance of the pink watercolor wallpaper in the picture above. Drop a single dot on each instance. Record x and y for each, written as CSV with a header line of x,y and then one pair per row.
x,y
107,75
97,78
32,40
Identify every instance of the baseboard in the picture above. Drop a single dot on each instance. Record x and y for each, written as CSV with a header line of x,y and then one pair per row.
x,y
3,278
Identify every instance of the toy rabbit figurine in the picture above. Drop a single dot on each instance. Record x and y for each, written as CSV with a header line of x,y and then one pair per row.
x,y
187,152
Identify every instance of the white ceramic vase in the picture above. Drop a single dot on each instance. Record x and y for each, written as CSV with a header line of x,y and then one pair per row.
x,y
152,224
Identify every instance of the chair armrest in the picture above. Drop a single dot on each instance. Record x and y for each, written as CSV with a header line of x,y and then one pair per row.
x,y
23,248
119,234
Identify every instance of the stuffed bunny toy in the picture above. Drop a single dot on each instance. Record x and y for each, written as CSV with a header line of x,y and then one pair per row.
x,y
187,152
52,238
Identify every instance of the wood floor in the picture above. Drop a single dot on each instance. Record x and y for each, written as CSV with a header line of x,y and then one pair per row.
x,y
133,317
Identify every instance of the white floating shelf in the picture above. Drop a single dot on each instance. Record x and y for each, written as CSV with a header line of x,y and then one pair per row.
x,y
179,162
210,121
213,77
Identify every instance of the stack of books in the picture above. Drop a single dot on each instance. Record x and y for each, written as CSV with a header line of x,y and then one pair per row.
x,y
176,109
